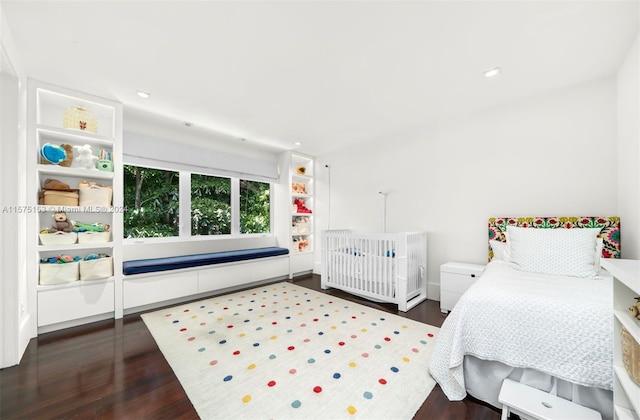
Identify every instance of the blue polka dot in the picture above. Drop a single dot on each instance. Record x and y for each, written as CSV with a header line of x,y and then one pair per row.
x,y
287,317
223,341
212,332
320,333
382,319
378,346
228,378
258,329
326,314
210,312
394,369
374,324
396,332
273,356
201,349
336,375
256,344
296,404
423,342
312,360
344,322
367,395
327,351
246,320
202,307
176,321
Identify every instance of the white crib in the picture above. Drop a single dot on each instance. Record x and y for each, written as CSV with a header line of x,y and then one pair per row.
x,y
384,267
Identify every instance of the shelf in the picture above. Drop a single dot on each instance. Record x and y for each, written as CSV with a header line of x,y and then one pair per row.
x,y
71,247
626,272
631,389
74,172
64,135
622,413
630,324
72,284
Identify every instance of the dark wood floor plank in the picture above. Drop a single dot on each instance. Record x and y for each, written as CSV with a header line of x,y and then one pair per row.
x,y
114,370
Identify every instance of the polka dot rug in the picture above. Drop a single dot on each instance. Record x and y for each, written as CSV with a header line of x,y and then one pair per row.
x,y
283,351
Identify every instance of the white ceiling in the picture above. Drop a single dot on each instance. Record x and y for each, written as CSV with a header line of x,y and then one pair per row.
x,y
324,73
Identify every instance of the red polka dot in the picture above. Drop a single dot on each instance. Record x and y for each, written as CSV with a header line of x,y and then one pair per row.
x,y
225,308
429,335
382,381
203,323
341,343
415,350
191,338
303,325
271,383
292,371
237,352
353,317
186,310
365,354
229,326
306,340
213,362
290,348
168,315
274,323
354,336
387,339
315,319
317,389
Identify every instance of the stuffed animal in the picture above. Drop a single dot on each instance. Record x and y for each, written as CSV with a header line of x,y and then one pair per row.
x,y
61,223
299,187
634,309
69,151
84,157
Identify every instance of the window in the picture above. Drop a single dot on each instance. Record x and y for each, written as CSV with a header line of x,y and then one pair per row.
x,y
255,205
210,205
155,204
151,200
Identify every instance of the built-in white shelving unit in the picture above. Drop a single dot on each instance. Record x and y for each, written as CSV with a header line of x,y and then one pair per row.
x,y
73,302
626,286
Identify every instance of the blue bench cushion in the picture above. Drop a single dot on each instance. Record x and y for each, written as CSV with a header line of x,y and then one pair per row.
x,y
150,265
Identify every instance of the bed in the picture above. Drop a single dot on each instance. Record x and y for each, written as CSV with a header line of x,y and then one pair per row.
x,y
383,267
540,314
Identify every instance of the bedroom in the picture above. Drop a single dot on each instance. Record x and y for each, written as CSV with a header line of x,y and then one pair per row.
x,y
573,143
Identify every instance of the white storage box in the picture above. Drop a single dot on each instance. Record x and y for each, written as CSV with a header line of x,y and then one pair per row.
x,y
100,268
455,279
93,237
59,273
95,195
59,238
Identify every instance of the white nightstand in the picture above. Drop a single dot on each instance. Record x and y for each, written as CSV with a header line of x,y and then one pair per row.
x,y
455,279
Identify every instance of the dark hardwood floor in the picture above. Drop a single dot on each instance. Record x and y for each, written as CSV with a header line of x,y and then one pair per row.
x,y
113,369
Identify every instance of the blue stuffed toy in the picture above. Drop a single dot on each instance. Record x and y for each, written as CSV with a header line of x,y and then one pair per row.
x,y
53,154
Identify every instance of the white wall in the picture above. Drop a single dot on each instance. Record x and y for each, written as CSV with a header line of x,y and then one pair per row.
x,y
14,314
551,155
629,153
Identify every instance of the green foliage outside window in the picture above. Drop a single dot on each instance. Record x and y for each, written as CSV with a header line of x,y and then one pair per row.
x,y
255,208
210,205
151,199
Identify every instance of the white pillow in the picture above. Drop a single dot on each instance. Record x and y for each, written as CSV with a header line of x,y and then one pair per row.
x,y
498,249
564,252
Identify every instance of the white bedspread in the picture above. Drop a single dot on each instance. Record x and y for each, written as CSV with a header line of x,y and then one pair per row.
x,y
558,325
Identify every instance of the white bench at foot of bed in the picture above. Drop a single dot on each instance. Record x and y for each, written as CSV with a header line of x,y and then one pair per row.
x,y
531,403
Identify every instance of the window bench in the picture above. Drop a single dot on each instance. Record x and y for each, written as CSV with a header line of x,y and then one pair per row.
x,y
150,282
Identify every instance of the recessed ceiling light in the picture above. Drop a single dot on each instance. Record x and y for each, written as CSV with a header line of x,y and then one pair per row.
x,y
143,94
492,72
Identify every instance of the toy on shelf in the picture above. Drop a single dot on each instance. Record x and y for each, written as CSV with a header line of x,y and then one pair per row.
x,y
91,227
301,206
299,188
54,154
634,309
61,223
84,157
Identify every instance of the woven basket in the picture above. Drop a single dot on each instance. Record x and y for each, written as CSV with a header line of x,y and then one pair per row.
x,y
631,355
79,118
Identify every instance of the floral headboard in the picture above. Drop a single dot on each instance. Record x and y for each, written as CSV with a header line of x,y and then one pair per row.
x,y
610,229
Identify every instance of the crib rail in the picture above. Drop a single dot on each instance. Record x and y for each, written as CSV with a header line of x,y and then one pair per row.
x,y
383,267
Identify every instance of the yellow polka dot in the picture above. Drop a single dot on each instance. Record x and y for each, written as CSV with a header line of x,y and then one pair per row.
x,y
299,313
194,316
364,330
405,359
242,334
405,326
273,337
261,316
352,364
251,366
333,327
351,409
246,398
220,318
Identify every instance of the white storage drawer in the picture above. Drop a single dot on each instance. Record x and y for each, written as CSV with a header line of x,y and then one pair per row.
x,y
76,302
455,279
158,288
